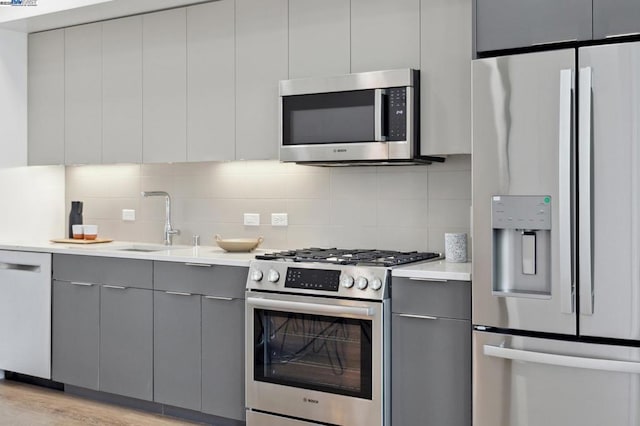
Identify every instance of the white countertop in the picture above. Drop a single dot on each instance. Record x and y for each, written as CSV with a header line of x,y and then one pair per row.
x,y
438,270
203,254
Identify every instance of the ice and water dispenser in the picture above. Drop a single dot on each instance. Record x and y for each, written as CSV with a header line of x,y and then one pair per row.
x,y
521,245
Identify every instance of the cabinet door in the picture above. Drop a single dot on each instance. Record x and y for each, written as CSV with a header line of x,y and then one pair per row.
x,y
122,90
431,371
506,24
385,34
46,98
223,357
319,38
164,84
75,341
126,342
445,78
211,70
83,94
177,350
615,18
261,61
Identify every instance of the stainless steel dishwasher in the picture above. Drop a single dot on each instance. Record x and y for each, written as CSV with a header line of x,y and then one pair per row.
x,y
25,313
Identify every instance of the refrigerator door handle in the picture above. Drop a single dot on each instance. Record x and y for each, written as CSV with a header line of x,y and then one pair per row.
x,y
562,360
564,192
584,203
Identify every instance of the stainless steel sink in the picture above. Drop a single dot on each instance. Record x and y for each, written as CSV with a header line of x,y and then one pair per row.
x,y
144,249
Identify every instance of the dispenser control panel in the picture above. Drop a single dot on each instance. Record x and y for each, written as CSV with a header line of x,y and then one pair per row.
x,y
521,212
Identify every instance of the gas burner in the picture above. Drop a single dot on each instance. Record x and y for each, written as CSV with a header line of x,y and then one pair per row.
x,y
350,257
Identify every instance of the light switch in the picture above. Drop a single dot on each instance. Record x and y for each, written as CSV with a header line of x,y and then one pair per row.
x,y
128,215
252,219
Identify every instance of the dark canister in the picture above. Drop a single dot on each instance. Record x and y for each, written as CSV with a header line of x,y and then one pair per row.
x,y
75,216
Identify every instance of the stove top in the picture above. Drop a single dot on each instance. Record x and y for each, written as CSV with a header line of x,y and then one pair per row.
x,y
385,258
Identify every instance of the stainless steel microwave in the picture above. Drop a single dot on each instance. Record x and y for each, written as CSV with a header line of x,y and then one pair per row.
x,y
370,117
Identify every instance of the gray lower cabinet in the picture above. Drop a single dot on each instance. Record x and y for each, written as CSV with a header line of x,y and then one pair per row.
x,y
223,356
613,18
102,312
176,348
75,341
126,341
199,337
507,24
431,353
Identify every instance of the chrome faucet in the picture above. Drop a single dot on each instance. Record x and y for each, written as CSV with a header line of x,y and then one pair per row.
x,y
169,232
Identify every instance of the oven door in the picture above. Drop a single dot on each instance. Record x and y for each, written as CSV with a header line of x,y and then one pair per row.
x,y
316,358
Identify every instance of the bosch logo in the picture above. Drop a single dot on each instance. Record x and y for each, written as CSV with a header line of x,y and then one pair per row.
x,y
340,150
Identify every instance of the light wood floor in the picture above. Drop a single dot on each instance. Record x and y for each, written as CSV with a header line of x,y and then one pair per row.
x,y
22,404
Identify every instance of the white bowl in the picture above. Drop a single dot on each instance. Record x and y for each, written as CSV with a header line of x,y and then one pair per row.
x,y
238,244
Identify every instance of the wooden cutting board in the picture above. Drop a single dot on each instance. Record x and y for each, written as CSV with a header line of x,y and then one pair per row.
x,y
73,241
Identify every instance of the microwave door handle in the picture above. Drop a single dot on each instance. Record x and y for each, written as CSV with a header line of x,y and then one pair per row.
x,y
379,112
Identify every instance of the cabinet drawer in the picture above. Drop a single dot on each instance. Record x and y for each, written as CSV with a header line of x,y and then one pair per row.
x,y
449,299
213,280
103,270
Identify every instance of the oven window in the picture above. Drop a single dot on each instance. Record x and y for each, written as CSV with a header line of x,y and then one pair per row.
x,y
328,354
340,117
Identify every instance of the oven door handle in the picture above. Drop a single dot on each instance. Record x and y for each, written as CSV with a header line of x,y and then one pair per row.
x,y
312,308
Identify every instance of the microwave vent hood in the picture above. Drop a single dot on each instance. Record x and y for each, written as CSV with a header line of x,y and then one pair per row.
x,y
420,161
370,118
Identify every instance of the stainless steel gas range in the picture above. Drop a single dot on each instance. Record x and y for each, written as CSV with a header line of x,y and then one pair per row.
x,y
317,336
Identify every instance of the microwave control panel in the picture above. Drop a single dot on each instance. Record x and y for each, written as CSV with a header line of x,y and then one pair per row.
x,y
397,114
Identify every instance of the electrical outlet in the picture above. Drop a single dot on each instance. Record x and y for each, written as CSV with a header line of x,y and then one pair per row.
x,y
252,219
279,219
128,215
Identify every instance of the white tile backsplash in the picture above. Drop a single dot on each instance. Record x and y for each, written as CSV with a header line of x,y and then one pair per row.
x,y
402,208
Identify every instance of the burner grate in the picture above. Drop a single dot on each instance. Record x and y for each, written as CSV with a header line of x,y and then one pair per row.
x,y
350,256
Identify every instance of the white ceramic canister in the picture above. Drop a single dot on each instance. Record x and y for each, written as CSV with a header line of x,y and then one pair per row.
x,y
455,247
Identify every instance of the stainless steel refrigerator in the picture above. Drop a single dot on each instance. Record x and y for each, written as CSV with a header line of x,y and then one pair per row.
x,y
556,238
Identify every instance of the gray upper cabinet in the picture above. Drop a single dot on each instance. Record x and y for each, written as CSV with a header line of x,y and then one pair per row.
x,y
46,98
261,61
613,18
122,90
126,341
445,77
319,38
506,24
83,94
164,84
210,76
385,34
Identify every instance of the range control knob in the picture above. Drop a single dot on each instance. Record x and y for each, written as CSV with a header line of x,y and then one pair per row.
x,y
376,284
361,283
273,276
346,281
256,275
